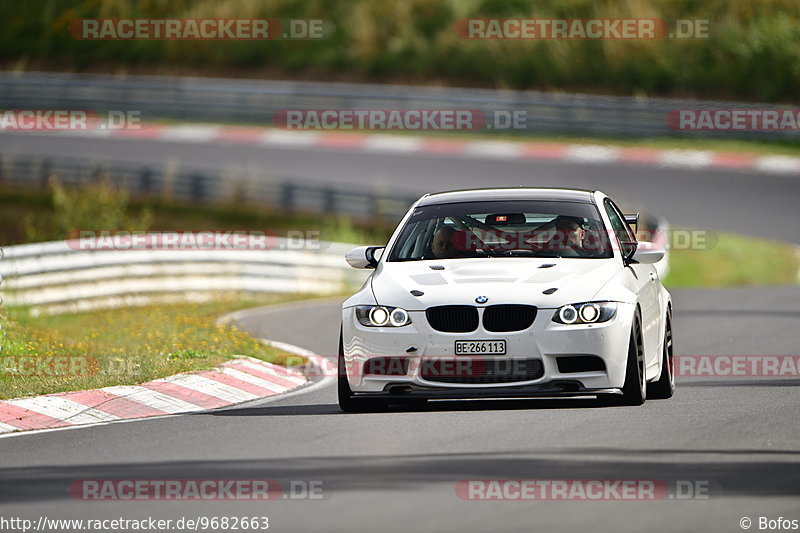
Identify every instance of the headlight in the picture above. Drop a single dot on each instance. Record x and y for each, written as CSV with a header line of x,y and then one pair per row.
x,y
379,315
585,313
398,317
567,315
590,313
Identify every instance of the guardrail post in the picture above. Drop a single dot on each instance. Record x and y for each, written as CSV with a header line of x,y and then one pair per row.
x,y
197,190
329,200
374,205
287,196
145,181
44,174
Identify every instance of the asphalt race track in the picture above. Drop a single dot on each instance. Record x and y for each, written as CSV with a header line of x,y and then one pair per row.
x,y
735,442
400,469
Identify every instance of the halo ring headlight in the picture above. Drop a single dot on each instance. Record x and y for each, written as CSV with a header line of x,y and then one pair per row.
x,y
398,317
590,313
568,314
379,316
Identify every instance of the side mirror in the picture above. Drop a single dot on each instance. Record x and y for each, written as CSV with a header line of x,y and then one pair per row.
x,y
632,219
648,253
363,256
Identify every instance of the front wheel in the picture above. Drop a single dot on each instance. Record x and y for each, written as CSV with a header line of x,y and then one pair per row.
x,y
634,388
665,386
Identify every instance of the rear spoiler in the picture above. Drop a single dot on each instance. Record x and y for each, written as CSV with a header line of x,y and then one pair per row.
x,y
632,219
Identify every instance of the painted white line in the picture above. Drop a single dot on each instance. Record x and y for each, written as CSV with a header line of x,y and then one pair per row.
x,y
190,133
251,379
686,158
5,428
297,380
290,138
286,347
591,153
153,399
105,132
210,387
66,428
392,143
498,149
779,164
63,409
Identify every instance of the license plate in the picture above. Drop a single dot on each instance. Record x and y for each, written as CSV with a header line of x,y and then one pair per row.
x,y
480,347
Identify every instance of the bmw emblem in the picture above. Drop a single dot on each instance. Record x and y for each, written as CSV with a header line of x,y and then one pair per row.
x,y
482,299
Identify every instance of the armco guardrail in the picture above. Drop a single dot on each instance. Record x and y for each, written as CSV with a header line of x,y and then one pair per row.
x,y
56,277
257,101
208,185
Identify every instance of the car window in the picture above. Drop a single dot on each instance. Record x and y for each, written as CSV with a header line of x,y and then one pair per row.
x,y
502,229
621,229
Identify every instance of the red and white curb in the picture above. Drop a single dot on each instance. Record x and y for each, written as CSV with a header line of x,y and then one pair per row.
x,y
437,146
235,381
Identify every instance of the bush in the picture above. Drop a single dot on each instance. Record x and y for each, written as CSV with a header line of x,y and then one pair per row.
x,y
96,206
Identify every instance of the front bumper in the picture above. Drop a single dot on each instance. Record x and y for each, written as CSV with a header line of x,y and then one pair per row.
x,y
544,341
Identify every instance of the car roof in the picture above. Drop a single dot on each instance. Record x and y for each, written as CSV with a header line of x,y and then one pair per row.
x,y
508,193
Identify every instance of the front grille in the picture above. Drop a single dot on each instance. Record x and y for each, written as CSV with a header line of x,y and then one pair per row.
x,y
499,318
481,370
453,318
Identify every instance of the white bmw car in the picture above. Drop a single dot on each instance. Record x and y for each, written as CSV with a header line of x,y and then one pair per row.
x,y
507,293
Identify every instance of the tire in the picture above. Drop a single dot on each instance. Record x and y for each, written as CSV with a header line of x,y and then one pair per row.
x,y
347,400
634,390
664,388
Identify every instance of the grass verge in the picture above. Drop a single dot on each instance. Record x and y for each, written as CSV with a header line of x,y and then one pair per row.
x,y
734,261
122,346
17,205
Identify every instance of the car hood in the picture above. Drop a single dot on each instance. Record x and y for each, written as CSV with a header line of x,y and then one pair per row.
x,y
501,280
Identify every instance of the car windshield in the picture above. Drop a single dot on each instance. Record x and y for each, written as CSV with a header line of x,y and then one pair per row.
x,y
531,228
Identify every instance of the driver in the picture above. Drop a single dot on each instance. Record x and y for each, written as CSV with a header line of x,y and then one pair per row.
x,y
568,240
442,245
